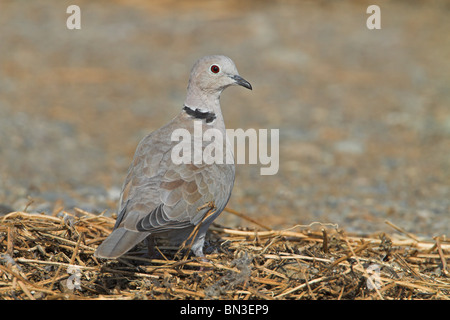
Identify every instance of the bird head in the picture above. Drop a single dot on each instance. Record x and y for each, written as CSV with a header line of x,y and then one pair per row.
x,y
215,73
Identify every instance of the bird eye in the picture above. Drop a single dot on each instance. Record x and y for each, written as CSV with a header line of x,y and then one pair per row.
x,y
215,68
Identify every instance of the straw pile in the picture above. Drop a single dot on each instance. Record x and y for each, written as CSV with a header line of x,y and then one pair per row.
x,y
51,257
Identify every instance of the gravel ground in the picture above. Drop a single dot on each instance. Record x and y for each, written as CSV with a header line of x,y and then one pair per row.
x,y
364,115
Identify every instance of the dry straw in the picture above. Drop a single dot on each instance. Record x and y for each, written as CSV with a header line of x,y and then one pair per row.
x,y
49,257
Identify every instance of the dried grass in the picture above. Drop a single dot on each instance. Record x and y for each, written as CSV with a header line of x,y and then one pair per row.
x,y
43,256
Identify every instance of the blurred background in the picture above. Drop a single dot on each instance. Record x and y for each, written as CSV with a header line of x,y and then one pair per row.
x,y
364,115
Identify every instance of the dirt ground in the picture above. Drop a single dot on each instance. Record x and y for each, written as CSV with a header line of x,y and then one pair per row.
x,y
364,115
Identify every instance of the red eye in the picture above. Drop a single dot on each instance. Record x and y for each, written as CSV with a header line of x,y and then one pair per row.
x,y
215,69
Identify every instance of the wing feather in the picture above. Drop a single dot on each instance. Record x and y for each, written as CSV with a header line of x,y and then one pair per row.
x,y
158,195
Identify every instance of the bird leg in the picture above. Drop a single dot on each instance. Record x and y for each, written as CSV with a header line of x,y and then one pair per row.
x,y
194,232
151,250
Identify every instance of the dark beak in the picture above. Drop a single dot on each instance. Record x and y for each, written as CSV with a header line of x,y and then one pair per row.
x,y
241,81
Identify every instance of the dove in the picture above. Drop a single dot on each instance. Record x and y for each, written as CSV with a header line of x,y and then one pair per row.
x,y
178,201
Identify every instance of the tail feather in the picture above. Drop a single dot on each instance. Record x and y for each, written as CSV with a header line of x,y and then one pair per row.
x,y
119,242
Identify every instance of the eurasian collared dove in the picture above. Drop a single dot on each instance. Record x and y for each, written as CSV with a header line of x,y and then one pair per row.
x,y
160,198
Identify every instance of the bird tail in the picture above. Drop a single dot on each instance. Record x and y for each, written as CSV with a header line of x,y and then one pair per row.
x,y
119,242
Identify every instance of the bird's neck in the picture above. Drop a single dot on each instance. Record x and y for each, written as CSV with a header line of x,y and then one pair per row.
x,y
203,105
198,114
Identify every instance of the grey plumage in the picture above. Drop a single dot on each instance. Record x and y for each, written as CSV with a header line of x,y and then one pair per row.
x,y
160,198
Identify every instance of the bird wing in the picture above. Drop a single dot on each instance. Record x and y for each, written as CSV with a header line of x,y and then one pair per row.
x,y
159,195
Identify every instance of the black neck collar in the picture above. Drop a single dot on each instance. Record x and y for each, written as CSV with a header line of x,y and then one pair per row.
x,y
198,114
